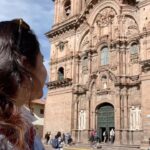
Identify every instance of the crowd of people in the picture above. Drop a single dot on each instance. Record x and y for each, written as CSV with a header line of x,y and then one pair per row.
x,y
95,138
59,140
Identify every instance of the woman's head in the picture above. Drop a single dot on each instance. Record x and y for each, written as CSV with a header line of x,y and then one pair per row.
x,y
58,134
22,74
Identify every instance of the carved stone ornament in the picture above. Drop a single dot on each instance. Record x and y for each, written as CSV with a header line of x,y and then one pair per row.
x,y
127,81
145,65
131,27
105,17
104,92
85,42
79,89
59,84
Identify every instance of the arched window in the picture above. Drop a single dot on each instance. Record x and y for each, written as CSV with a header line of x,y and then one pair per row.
x,y
67,7
104,56
134,49
61,73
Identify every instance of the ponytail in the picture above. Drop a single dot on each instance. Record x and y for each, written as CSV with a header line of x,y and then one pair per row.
x,y
11,122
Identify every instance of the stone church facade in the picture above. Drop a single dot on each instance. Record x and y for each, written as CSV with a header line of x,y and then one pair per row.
x,y
100,70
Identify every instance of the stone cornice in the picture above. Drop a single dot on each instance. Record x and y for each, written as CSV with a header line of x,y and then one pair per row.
x,y
59,83
62,27
70,56
127,81
62,59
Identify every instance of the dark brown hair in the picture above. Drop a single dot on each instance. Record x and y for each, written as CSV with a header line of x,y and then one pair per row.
x,y
17,41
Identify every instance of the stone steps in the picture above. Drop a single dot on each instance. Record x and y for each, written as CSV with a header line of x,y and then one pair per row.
x,y
120,147
95,147
102,146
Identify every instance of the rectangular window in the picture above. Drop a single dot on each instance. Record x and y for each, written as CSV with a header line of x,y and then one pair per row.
x,y
104,56
42,111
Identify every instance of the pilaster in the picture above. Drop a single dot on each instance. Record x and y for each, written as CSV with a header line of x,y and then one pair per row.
x,y
117,117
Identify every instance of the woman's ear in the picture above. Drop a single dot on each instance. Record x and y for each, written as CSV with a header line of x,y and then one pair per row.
x,y
25,63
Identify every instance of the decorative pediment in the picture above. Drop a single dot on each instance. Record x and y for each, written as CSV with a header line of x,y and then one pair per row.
x,y
106,70
105,17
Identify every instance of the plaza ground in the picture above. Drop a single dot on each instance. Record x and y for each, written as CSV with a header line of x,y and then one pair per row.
x,y
102,146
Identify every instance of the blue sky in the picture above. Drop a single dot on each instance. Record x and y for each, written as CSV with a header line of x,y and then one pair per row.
x,y
38,14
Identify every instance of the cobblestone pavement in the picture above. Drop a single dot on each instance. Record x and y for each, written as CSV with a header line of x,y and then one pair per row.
x,y
48,147
100,147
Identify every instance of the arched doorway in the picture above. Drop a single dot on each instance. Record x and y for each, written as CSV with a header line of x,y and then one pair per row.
x,y
105,119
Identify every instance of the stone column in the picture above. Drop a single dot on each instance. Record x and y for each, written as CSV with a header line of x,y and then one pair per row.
x,y
55,11
75,119
83,4
58,10
117,117
145,90
125,116
76,6
124,60
76,70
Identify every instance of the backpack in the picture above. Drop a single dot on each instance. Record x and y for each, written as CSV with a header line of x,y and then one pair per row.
x,y
55,143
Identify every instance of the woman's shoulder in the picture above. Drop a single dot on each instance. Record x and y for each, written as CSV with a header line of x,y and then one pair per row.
x,y
4,143
38,144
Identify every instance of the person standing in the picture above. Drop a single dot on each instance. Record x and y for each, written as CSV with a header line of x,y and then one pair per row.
x,y
105,136
112,135
91,139
47,137
57,142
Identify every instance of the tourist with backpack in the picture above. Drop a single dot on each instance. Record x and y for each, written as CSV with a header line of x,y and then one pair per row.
x,y
57,142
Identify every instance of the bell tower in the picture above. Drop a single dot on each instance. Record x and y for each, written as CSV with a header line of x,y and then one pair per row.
x,y
65,9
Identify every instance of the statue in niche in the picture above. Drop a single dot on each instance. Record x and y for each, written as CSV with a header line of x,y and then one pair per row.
x,y
85,64
104,82
116,32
